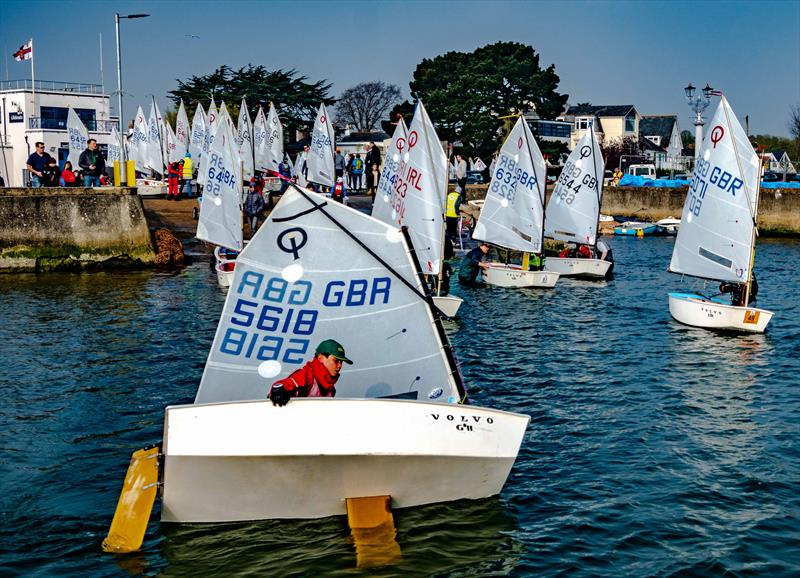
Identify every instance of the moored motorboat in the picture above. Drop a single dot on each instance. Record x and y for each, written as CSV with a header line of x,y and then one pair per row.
x,y
668,226
635,228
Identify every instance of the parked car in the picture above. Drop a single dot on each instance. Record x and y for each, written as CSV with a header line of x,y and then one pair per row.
x,y
474,178
770,177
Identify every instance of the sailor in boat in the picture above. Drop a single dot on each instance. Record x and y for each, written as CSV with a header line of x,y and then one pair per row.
x,y
604,253
472,264
317,378
738,291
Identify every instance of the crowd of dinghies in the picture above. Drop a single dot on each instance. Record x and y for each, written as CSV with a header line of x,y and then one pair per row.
x,y
226,457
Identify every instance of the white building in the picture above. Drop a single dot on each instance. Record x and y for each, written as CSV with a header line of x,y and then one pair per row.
x,y
25,121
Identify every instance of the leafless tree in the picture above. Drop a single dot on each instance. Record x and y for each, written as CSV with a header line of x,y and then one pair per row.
x,y
365,104
794,122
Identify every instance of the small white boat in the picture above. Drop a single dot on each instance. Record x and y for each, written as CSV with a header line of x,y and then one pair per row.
x,y
699,311
513,213
448,304
581,268
231,462
224,271
151,188
503,275
669,225
716,237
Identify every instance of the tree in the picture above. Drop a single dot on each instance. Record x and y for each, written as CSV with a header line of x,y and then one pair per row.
x,y
364,104
296,99
687,138
467,93
794,130
627,147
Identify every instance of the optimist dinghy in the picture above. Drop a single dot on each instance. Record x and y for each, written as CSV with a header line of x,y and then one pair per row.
x,y
716,237
573,211
411,193
396,427
513,215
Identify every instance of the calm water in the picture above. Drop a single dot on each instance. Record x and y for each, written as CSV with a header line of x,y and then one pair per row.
x,y
654,449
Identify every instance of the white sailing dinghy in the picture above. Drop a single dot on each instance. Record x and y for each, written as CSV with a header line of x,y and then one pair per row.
x,y
395,427
716,238
220,219
513,215
411,193
573,211
320,160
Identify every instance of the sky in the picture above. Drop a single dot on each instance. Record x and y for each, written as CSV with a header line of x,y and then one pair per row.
x,y
610,52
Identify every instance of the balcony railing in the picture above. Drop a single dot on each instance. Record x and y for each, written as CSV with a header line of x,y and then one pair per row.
x,y
52,86
37,122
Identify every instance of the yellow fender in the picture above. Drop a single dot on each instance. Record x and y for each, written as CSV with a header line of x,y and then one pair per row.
x,y
135,503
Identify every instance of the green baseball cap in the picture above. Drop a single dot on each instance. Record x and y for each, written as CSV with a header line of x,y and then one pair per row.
x,y
331,347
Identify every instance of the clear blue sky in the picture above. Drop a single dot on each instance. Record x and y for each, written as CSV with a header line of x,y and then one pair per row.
x,y
606,52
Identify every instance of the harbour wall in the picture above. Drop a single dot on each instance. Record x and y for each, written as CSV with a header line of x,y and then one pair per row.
x,y
778,209
50,229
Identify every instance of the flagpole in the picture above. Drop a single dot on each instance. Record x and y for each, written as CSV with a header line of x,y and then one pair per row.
x,y
33,81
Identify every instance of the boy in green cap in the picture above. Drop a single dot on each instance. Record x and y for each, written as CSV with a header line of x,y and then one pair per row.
x,y
316,378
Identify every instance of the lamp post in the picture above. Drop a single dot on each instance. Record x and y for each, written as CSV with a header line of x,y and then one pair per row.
x,y
698,105
122,130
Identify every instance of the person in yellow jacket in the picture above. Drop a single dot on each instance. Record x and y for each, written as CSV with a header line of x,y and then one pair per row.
x,y
186,175
451,213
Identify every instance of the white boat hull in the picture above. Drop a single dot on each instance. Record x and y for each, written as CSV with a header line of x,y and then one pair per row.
x,y
447,304
502,275
224,271
585,268
252,461
698,311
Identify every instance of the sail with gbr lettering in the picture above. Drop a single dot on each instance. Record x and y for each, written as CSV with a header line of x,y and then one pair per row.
x,y
574,207
78,137
513,214
718,221
244,138
114,147
138,146
286,297
220,220
268,140
320,154
198,133
420,184
387,198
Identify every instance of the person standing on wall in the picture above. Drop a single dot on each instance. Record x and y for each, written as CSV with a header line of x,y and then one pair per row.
x,y
36,163
92,163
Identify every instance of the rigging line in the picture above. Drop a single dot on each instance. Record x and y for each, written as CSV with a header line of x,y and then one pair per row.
x,y
543,187
361,244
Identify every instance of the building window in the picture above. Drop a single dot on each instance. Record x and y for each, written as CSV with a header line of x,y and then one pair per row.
x,y
551,129
654,139
582,123
55,117
630,123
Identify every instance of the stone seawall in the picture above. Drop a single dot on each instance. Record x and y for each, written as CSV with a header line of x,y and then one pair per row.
x,y
778,209
73,229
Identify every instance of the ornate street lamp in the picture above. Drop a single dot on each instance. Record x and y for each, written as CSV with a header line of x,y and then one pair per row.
x,y
698,105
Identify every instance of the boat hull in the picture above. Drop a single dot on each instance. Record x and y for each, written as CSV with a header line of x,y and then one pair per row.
x,y
501,275
448,304
698,311
224,271
252,461
582,268
636,231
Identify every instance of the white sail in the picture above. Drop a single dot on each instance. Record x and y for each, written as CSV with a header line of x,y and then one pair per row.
x,y
574,207
268,139
155,159
78,137
212,121
224,114
138,147
718,219
198,134
114,147
420,184
182,132
286,297
513,214
320,154
244,136
220,220
171,144
479,164
387,197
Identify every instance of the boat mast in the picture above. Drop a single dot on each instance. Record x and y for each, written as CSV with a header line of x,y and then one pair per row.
x,y
754,212
599,190
542,187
